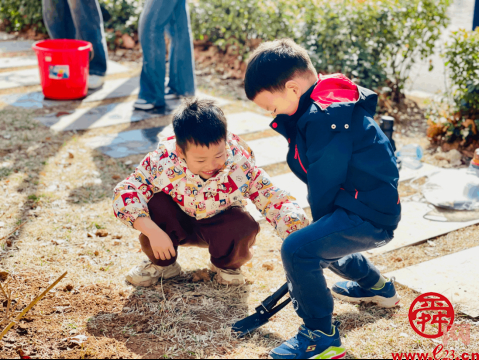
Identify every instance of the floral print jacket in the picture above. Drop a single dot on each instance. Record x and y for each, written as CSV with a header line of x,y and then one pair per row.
x,y
240,179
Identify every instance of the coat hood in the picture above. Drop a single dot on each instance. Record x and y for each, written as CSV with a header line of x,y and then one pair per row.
x,y
337,88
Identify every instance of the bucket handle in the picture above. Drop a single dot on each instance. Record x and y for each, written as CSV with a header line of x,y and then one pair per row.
x,y
92,52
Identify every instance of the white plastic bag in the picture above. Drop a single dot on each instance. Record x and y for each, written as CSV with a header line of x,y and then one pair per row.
x,y
456,189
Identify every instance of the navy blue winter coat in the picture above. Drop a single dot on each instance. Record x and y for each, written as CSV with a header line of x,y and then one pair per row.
x,y
339,151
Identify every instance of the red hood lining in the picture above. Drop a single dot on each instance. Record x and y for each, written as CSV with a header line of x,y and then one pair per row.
x,y
334,88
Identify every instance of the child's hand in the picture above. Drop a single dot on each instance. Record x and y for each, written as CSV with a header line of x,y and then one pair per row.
x,y
160,242
162,246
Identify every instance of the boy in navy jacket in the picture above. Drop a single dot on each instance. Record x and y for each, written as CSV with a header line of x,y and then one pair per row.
x,y
338,150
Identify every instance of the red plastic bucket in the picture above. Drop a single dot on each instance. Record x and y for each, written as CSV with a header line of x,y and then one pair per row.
x,y
64,66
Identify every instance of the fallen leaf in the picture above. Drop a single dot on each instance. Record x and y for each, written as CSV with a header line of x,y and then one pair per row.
x,y
69,287
97,253
71,155
116,243
128,41
268,266
90,235
101,233
116,177
249,265
201,275
3,275
9,243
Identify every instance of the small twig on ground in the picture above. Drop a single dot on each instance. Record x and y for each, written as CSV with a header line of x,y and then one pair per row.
x,y
13,232
32,304
7,293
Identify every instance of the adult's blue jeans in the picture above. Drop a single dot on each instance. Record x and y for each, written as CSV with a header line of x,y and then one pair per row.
x,y
171,16
333,242
81,20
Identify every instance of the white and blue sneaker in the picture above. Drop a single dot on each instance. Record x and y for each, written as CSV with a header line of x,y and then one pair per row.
x,y
350,291
309,344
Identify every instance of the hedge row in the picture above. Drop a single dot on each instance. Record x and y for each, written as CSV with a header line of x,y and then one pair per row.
x,y
457,119
369,40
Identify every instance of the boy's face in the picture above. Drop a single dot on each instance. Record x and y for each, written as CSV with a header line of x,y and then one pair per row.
x,y
204,161
284,102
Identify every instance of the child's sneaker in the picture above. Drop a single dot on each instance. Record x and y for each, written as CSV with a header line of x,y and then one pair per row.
x,y
309,344
148,274
350,291
227,277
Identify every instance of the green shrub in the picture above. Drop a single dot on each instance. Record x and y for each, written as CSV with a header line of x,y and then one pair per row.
x,y
123,17
457,121
17,15
241,23
462,61
372,41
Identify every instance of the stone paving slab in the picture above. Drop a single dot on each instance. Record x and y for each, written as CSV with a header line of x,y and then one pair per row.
x,y
13,79
454,276
269,151
10,62
101,116
143,141
415,229
294,186
128,142
28,77
406,173
247,122
111,90
15,46
108,115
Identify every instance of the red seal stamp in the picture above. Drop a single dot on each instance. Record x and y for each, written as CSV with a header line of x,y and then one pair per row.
x,y
431,315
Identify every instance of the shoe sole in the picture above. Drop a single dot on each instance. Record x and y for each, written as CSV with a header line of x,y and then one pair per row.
x,y
330,353
174,272
144,108
381,301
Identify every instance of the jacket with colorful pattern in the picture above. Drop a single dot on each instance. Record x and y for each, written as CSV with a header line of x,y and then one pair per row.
x,y
163,170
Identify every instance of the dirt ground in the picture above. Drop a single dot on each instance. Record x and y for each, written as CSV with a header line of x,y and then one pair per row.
x,y
56,216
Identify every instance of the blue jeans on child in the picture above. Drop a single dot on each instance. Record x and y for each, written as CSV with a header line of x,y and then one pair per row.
x,y
172,16
78,19
333,242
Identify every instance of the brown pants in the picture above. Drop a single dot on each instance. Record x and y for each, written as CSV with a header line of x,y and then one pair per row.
x,y
229,236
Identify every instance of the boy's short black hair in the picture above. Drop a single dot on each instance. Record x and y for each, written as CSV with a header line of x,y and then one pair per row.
x,y
199,122
273,64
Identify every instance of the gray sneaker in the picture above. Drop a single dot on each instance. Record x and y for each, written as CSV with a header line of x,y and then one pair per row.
x,y
148,274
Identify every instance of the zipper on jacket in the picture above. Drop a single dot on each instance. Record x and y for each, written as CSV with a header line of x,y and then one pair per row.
x,y
296,156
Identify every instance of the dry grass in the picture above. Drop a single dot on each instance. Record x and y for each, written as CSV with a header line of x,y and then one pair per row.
x,y
61,199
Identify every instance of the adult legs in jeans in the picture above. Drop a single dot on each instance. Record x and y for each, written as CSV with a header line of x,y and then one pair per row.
x,y
333,241
78,19
158,16
229,235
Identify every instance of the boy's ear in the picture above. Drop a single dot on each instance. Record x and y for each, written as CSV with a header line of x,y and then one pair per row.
x,y
180,152
294,86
